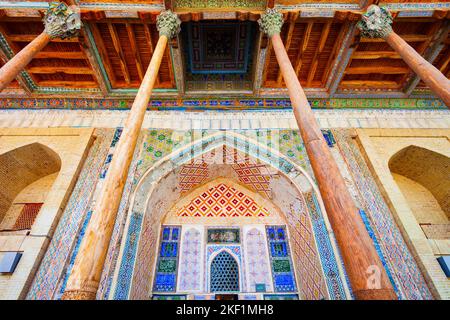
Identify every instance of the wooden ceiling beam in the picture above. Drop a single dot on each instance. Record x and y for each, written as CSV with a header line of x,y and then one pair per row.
x,y
287,42
68,84
103,53
377,69
369,55
31,37
267,62
334,52
370,84
119,52
56,69
134,49
20,78
320,47
445,64
148,37
422,50
406,37
60,55
303,46
87,47
170,66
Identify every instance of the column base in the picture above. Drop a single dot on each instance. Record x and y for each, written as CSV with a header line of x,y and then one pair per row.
x,y
375,294
79,295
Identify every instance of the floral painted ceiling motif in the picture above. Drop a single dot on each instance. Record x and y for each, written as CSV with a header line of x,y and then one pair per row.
x,y
222,201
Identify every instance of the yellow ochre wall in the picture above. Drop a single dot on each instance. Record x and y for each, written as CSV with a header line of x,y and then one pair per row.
x,y
71,146
422,220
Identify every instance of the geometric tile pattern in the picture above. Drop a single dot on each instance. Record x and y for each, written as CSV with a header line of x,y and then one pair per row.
x,y
371,233
291,145
54,261
173,140
222,201
159,143
98,188
282,270
234,250
224,273
114,245
190,263
124,281
258,269
214,104
192,175
27,216
400,262
327,259
304,250
218,49
166,267
156,144
256,176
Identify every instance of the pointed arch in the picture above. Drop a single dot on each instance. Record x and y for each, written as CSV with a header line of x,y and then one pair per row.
x,y
426,167
224,273
23,166
148,207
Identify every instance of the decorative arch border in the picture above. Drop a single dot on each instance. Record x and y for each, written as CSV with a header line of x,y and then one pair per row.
x,y
331,264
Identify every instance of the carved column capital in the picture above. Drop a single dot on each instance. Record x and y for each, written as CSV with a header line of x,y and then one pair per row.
x,y
271,22
168,24
61,21
375,23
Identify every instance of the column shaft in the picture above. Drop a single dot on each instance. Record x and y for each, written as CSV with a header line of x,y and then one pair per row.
x,y
18,63
437,82
358,251
85,277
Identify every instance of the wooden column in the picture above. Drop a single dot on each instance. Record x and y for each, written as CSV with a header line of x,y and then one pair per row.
x,y
376,23
85,277
366,273
60,22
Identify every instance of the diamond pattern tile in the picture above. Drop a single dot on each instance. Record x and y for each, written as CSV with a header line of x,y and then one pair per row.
x,y
222,201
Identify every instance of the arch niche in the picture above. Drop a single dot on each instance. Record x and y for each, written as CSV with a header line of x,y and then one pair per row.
x,y
423,177
224,273
290,188
26,176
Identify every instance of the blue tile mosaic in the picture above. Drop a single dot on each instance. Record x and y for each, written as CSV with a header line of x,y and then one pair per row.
x,y
284,282
124,280
282,269
329,138
164,282
372,235
327,257
166,273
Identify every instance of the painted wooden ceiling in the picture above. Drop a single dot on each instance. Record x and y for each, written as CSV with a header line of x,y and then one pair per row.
x,y
111,55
